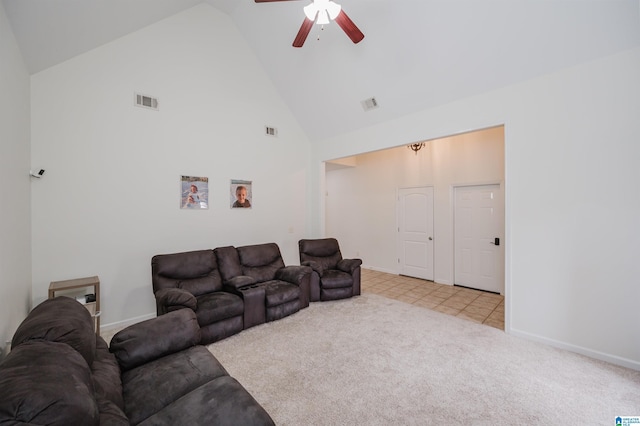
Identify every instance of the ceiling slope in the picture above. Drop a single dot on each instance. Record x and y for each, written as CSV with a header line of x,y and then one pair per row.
x,y
416,54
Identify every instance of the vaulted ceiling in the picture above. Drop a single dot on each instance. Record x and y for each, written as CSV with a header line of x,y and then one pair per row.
x,y
416,54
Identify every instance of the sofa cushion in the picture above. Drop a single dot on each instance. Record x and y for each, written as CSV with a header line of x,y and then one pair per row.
x,y
151,339
279,292
64,398
229,262
333,278
260,261
152,386
214,307
220,402
326,252
193,271
62,320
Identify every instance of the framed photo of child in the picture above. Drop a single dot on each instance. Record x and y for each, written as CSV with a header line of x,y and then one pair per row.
x,y
240,194
194,192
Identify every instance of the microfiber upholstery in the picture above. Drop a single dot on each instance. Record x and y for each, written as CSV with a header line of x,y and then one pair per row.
x,y
188,370
258,274
229,403
105,373
155,374
333,277
195,271
155,338
191,280
60,320
260,261
46,383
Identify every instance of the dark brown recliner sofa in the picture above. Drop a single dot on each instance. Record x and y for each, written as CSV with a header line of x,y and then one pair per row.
x,y
333,277
270,289
192,280
60,373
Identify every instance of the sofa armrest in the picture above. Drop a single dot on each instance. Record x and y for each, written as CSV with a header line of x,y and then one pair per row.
x,y
313,265
293,274
152,339
234,284
349,265
175,298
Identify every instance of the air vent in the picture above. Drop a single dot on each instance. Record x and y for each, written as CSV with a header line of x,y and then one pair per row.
x,y
144,101
270,131
369,104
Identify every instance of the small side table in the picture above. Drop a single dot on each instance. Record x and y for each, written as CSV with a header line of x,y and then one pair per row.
x,y
78,287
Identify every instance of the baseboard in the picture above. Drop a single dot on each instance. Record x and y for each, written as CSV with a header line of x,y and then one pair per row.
x,y
612,359
125,323
374,268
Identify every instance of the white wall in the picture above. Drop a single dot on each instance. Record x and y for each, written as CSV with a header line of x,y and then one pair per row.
x,y
15,223
572,202
110,198
361,200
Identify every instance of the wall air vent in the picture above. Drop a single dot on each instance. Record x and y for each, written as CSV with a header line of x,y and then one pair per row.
x,y
369,104
144,101
270,131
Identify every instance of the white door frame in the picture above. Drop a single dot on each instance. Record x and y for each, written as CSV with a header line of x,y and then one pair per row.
x,y
503,239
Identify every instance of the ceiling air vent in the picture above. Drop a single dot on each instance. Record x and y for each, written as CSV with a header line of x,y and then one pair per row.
x,y
369,104
270,131
145,101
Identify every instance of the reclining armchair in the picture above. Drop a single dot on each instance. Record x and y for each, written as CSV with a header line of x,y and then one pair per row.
x,y
191,280
333,277
258,274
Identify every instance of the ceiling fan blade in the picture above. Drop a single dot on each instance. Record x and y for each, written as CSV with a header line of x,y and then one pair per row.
x,y
349,27
305,29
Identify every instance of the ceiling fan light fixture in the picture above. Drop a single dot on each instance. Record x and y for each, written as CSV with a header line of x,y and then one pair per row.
x,y
311,11
324,10
323,18
333,9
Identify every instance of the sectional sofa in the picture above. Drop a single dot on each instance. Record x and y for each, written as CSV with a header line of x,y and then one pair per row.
x,y
230,288
60,372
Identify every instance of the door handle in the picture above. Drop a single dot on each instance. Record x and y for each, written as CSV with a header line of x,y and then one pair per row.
x,y
430,238
495,241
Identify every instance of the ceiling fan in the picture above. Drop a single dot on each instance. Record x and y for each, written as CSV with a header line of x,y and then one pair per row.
x,y
322,12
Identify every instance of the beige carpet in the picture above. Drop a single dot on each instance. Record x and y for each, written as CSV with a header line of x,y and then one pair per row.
x,y
376,361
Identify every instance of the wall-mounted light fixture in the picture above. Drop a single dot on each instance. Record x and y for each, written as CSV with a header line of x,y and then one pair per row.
x,y
415,147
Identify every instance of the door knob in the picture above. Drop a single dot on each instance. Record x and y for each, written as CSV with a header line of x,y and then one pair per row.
x,y
430,238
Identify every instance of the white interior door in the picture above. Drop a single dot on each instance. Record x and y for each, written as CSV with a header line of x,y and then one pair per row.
x,y
415,232
478,237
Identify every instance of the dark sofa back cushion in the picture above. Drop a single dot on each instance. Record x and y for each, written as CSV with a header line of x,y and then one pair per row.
x,y
152,339
64,398
193,271
325,251
60,320
260,261
228,261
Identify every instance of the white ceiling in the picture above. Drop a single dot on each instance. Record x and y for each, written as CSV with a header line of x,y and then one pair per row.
x,y
416,54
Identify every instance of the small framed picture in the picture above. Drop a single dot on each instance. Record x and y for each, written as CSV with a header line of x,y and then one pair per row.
x,y
194,192
240,194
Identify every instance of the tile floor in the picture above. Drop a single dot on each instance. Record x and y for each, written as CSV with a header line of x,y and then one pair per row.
x,y
473,305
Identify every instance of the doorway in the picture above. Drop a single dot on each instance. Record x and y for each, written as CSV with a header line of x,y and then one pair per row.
x,y
415,232
479,237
